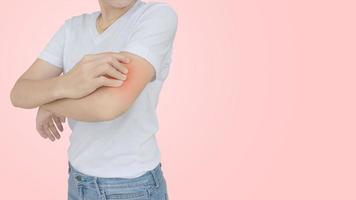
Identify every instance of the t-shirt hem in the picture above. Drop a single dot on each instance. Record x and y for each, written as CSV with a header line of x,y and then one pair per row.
x,y
114,174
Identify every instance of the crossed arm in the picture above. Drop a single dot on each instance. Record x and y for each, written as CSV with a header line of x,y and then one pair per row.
x,y
107,103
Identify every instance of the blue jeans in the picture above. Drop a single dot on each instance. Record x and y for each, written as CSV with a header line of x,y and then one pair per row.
x,y
149,186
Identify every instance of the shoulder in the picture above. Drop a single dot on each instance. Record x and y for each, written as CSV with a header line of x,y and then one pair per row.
x,y
151,7
80,19
159,10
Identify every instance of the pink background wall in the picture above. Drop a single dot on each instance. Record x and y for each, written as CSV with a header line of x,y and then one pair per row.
x,y
259,103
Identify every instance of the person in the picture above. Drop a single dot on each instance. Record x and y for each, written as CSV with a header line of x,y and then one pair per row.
x,y
114,63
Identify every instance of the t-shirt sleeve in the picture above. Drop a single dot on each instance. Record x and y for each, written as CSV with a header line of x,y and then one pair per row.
x,y
53,50
153,35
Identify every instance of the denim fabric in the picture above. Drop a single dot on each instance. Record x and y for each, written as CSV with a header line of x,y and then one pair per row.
x,y
149,186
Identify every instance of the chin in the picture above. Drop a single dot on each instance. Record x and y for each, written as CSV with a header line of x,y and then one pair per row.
x,y
118,3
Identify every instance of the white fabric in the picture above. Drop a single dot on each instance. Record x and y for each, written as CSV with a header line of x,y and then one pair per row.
x,y
125,146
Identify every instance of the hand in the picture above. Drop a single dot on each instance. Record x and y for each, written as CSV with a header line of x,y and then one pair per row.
x,y
45,125
94,71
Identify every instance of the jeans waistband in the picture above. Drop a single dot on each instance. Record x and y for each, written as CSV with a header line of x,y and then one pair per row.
x,y
153,176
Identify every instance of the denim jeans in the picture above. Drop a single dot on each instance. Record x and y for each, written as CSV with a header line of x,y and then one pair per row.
x,y
149,186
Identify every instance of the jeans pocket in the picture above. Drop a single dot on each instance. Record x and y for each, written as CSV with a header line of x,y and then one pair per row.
x,y
138,193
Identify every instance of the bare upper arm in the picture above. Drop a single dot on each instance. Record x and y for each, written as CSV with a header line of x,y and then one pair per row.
x,y
41,69
119,99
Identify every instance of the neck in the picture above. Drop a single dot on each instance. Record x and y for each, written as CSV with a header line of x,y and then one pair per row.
x,y
110,13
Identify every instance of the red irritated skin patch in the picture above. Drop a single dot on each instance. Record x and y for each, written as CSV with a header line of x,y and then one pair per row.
x,y
140,72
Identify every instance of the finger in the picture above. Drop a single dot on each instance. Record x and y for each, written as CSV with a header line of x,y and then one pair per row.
x,y
118,56
58,122
41,132
53,129
49,134
104,81
107,69
59,116
112,60
119,66
115,74
63,119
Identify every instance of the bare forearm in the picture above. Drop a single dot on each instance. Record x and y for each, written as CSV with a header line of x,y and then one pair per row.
x,y
33,93
106,103
89,108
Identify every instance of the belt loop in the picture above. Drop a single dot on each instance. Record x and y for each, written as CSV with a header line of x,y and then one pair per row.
x,y
154,175
68,167
99,192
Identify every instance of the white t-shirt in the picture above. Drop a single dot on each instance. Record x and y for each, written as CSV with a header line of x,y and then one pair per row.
x,y
125,146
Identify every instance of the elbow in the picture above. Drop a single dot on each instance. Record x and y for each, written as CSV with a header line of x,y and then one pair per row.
x,y
13,99
16,101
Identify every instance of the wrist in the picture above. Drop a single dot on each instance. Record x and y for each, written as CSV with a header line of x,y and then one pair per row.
x,y
59,90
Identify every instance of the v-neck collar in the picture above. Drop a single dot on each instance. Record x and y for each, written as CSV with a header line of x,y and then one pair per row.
x,y
100,36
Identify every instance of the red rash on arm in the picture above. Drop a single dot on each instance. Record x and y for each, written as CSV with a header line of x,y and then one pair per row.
x,y
107,103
